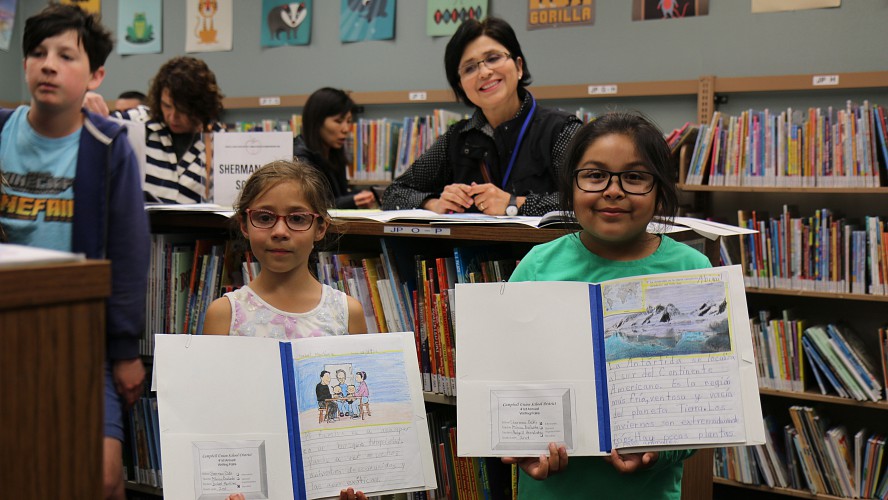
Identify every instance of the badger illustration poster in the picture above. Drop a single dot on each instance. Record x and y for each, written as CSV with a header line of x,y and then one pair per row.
x,y
286,23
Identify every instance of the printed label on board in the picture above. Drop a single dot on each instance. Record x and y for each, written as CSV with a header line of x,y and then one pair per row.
x,y
825,80
437,231
418,96
602,89
270,101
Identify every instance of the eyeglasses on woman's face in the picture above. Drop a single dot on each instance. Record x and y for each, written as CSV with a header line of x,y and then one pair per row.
x,y
296,221
596,180
492,60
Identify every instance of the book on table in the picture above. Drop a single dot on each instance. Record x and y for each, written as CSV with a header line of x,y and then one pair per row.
x,y
270,419
654,362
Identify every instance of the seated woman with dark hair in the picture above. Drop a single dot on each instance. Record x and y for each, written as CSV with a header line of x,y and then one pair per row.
x,y
507,157
326,123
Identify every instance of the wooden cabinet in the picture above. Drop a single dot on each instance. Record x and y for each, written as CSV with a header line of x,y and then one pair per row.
x,y
52,326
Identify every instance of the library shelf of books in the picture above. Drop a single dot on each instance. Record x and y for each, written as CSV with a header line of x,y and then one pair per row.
x,y
813,182
402,271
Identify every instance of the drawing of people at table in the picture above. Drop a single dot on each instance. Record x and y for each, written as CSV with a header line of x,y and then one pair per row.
x,y
324,396
344,409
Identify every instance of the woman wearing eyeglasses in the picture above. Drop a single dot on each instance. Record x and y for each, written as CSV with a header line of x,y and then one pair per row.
x,y
506,158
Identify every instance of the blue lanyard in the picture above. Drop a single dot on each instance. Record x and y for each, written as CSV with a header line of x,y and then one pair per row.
x,y
533,105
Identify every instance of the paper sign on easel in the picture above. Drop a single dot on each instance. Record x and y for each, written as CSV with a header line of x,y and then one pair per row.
x,y
236,155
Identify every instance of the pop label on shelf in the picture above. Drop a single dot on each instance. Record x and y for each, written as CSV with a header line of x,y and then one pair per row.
x,y
418,96
825,80
602,89
270,101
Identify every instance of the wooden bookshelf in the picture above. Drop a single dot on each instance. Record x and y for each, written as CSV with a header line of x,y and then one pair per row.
x,y
809,81
445,96
821,398
789,492
819,295
775,189
433,397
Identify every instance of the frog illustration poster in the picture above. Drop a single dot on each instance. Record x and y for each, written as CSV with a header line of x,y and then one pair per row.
x,y
139,27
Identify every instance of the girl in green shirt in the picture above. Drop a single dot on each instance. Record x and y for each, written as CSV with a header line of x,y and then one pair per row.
x,y
620,175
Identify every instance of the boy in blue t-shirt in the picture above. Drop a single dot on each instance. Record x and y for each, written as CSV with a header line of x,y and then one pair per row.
x,y
71,182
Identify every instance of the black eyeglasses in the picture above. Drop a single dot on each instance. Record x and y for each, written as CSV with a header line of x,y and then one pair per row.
x,y
492,60
596,180
296,221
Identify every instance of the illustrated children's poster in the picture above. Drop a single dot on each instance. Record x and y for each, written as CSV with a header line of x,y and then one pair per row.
x,y
286,23
7,19
139,27
361,20
444,16
643,10
654,362
208,25
91,6
236,155
300,419
787,5
560,13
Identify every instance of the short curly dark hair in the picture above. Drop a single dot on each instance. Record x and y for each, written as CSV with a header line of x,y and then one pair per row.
x,y
192,86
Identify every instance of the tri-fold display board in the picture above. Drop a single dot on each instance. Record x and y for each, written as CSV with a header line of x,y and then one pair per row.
x,y
653,362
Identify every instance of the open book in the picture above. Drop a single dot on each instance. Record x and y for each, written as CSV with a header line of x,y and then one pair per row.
x,y
654,362
269,419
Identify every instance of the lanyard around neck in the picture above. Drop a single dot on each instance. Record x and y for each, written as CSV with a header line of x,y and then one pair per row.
x,y
533,105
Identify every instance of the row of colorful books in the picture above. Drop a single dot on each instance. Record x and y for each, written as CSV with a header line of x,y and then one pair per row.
x,y
811,455
374,149
403,291
142,448
294,124
785,348
464,478
822,252
186,275
819,148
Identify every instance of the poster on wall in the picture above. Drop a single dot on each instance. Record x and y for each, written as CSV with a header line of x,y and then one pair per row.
x,y
444,16
286,23
91,6
7,19
139,27
787,5
644,10
361,20
560,13
208,25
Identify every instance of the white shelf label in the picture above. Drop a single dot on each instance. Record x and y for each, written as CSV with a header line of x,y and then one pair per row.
x,y
825,80
418,96
269,101
602,89
434,230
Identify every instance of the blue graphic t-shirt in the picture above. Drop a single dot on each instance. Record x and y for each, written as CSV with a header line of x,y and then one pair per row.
x,y
37,204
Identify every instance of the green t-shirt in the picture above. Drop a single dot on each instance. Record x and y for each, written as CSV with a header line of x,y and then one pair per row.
x,y
566,259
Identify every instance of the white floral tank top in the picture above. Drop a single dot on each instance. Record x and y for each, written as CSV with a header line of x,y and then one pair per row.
x,y
253,317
